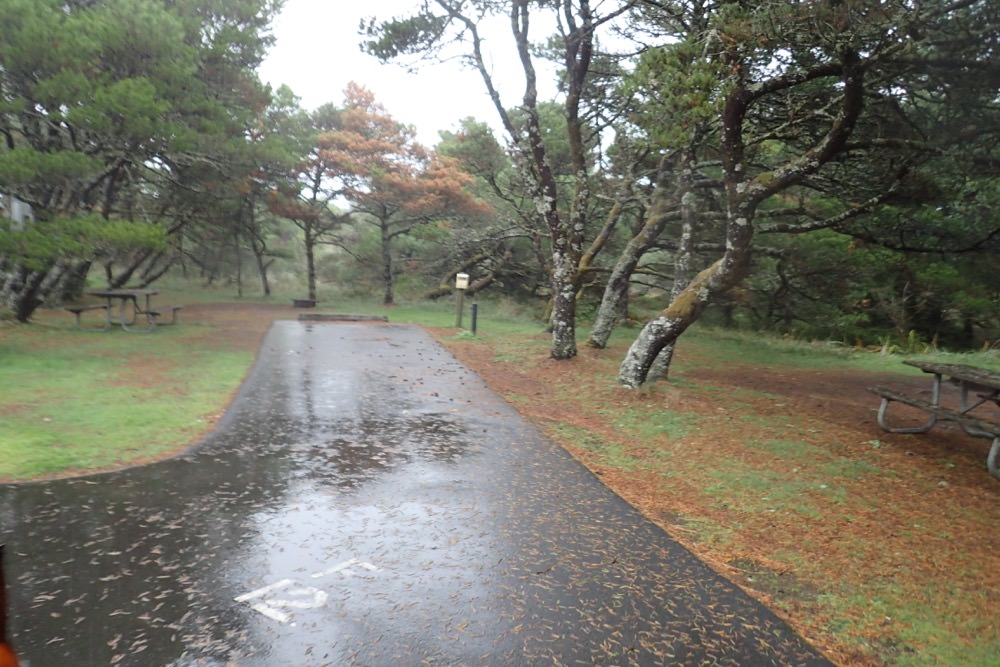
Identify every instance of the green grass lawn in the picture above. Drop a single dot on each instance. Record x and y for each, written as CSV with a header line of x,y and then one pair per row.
x,y
72,401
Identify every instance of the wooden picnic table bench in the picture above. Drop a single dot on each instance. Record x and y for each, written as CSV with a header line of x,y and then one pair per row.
x,y
979,388
157,313
79,309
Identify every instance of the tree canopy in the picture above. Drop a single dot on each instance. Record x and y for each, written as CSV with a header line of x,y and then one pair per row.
x,y
733,122
389,179
103,100
824,168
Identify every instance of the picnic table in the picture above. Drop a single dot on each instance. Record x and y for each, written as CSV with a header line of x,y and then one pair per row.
x,y
979,390
131,308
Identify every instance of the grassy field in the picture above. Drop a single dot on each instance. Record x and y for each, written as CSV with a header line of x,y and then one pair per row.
x,y
880,549
74,401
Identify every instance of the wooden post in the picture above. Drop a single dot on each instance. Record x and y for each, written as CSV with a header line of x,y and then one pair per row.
x,y
461,284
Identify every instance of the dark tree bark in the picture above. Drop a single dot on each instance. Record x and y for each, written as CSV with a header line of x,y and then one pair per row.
x,y
388,279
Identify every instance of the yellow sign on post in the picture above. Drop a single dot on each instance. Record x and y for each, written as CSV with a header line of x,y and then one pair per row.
x,y
461,284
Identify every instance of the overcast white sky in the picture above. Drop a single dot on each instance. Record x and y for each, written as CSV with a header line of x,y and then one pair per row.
x,y
316,54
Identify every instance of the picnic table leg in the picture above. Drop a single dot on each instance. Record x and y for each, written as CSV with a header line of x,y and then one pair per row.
x,y
935,400
993,458
132,328
936,390
150,320
966,407
123,318
904,429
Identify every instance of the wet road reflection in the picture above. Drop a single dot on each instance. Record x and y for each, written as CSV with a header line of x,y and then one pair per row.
x,y
367,501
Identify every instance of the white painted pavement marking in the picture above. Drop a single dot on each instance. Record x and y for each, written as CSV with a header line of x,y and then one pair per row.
x,y
299,597
261,591
345,568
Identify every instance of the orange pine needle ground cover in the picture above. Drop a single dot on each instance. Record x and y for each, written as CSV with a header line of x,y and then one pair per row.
x,y
881,549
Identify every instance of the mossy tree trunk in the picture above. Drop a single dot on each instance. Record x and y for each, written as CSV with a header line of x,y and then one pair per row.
x,y
682,276
614,301
743,196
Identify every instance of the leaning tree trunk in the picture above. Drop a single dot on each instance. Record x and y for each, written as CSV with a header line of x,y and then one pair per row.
x,y
664,330
262,268
616,290
25,290
685,309
682,276
76,282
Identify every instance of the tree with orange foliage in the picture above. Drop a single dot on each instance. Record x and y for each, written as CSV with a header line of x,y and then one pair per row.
x,y
389,179
306,196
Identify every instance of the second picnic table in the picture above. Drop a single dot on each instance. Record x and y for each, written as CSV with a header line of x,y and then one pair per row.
x,y
132,308
979,388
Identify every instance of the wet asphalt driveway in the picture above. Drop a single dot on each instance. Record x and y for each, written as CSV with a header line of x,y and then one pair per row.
x,y
365,501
